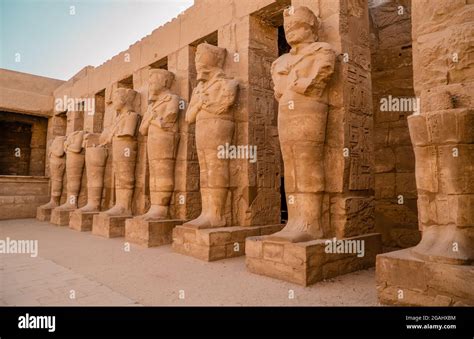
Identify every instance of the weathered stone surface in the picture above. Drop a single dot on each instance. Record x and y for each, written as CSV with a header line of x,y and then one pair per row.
x,y
150,233
81,221
212,244
305,263
403,279
60,217
109,226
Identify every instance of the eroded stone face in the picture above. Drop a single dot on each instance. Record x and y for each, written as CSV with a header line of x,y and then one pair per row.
x,y
300,79
209,108
160,124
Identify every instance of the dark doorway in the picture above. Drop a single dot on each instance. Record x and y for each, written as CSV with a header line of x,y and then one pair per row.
x,y
15,149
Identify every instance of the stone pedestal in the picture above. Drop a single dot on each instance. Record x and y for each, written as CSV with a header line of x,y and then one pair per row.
x,y
60,217
150,233
305,263
109,226
212,244
404,279
43,214
81,221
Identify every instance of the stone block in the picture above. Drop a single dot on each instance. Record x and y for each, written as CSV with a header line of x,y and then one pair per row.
x,y
309,262
43,214
150,233
81,221
60,217
213,244
404,279
109,226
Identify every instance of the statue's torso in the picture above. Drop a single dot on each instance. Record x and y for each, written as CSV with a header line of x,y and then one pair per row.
x,y
304,63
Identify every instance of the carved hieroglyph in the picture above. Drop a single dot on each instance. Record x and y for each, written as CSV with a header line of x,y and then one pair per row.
x,y
210,108
300,79
57,165
122,135
160,123
74,169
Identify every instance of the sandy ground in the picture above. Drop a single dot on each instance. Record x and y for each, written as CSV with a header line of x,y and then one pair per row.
x,y
100,272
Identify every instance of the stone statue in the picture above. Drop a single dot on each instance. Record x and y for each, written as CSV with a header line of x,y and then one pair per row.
x,y
74,168
96,159
161,125
210,108
122,135
300,79
442,137
57,166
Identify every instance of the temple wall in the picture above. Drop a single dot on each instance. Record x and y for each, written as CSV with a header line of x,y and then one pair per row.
x,y
26,104
392,77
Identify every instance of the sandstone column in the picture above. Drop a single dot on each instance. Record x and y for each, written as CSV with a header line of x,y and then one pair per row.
x,y
439,270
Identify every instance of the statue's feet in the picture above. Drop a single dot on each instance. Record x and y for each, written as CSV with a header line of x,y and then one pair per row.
x,y
296,231
206,221
290,236
49,205
118,211
446,244
89,208
156,212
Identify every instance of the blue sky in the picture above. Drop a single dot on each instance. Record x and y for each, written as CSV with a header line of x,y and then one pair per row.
x,y
43,38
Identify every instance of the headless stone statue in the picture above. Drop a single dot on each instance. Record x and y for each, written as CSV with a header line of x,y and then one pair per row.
x,y
161,126
122,135
57,166
442,137
210,108
74,168
300,79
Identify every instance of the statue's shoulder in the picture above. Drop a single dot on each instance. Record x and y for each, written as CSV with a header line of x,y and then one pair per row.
x,y
228,82
322,46
282,59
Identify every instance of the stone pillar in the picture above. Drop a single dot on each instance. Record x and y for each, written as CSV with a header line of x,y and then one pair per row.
x,y
252,46
348,204
186,202
439,270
